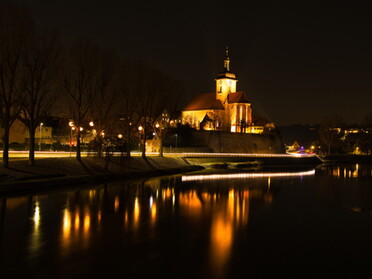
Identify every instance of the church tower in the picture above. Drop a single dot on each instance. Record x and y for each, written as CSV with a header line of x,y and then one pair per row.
x,y
225,81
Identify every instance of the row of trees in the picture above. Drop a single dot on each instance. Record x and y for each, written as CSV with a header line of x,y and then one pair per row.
x,y
40,76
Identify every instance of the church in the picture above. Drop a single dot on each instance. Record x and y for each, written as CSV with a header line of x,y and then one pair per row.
x,y
226,109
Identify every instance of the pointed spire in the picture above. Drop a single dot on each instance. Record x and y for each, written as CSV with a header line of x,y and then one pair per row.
x,y
226,61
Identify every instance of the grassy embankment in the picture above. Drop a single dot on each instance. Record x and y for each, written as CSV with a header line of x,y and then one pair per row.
x,y
60,172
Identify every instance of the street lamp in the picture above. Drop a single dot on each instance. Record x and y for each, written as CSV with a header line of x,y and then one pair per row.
x,y
140,128
72,129
40,134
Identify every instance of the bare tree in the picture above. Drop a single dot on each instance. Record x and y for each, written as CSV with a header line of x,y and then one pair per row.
x,y
330,131
38,88
128,87
151,104
15,27
105,102
80,74
170,92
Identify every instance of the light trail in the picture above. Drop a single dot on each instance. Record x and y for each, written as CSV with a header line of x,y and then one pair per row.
x,y
245,175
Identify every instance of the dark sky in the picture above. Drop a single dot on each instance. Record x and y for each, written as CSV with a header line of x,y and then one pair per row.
x,y
297,63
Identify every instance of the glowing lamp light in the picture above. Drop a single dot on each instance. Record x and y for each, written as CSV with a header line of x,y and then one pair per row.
x,y
73,128
91,123
157,125
81,129
71,124
120,136
140,128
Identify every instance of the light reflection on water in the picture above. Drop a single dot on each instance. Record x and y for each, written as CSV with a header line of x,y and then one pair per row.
x,y
169,221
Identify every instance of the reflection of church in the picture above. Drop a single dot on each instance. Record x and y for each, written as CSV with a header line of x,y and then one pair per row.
x,y
223,110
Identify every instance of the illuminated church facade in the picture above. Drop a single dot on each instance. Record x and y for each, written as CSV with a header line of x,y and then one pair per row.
x,y
226,109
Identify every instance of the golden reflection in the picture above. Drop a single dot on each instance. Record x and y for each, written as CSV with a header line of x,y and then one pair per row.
x,y
190,203
116,204
37,215
66,224
153,212
86,222
35,236
136,212
166,193
77,220
221,240
355,172
126,217
99,216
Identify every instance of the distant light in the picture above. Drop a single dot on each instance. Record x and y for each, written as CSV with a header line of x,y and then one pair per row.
x,y
71,124
120,136
140,128
81,129
91,123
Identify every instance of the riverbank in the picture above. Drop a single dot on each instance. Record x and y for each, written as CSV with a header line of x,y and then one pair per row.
x,y
346,158
61,172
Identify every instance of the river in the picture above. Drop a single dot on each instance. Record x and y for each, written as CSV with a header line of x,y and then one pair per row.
x,y
265,223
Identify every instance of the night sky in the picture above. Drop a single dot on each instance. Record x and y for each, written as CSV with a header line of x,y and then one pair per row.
x,y
297,63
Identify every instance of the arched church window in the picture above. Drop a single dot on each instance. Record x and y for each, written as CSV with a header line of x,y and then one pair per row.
x,y
220,87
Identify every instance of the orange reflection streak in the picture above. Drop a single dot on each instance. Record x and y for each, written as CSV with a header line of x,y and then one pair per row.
x,y
126,217
231,204
153,212
116,204
221,240
77,220
86,222
66,224
99,216
136,212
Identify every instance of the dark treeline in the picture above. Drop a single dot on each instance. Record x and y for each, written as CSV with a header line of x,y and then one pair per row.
x,y
43,75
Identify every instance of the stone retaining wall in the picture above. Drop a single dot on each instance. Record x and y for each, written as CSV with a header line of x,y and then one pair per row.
x,y
237,142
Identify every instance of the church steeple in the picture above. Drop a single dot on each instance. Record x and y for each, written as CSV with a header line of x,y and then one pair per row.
x,y
226,80
226,61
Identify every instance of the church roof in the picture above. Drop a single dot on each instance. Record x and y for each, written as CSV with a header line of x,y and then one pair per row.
x,y
226,74
237,97
204,101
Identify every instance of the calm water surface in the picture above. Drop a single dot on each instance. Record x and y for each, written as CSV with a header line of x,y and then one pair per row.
x,y
262,224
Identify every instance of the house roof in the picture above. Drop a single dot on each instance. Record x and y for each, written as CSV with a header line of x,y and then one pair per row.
x,y
237,97
204,101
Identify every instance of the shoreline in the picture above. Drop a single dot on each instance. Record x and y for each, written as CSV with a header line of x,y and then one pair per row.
x,y
60,173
